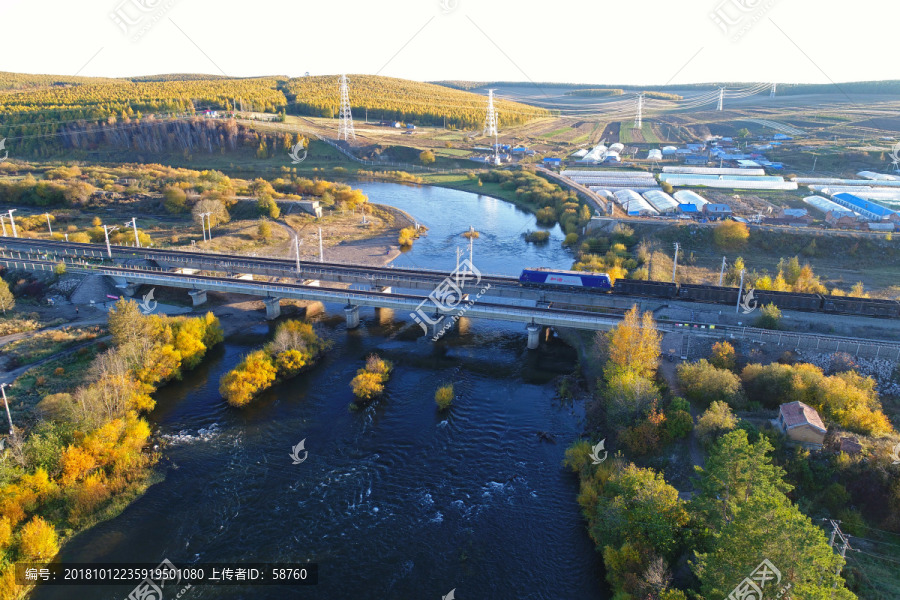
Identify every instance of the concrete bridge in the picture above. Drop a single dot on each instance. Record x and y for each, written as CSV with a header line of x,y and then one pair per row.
x,y
373,277
535,318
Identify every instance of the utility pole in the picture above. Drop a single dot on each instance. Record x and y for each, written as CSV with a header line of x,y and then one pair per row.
x,y
48,223
12,222
815,160
106,230
740,293
203,224
6,405
722,272
845,542
133,223
721,105
321,253
3,222
297,250
675,263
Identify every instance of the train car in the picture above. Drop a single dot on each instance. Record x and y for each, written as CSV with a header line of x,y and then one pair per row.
x,y
862,306
636,287
560,278
789,300
708,293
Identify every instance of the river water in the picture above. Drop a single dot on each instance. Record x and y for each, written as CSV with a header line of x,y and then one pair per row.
x,y
394,501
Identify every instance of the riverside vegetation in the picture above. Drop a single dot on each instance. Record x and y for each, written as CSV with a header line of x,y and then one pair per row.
x,y
294,348
84,460
756,497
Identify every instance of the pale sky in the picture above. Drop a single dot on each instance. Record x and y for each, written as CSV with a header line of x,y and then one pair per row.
x,y
578,41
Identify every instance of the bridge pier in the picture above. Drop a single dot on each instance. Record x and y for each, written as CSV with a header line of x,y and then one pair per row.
x,y
198,297
352,314
273,308
534,336
437,325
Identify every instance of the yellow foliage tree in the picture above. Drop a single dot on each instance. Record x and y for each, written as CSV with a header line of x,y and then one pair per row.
x,y
38,540
255,373
730,235
634,345
5,533
367,385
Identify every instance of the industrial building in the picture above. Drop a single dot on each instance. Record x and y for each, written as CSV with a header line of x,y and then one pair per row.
x,y
869,210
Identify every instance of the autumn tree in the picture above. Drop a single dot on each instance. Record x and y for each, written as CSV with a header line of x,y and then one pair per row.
x,y
38,540
722,356
426,157
252,375
634,345
704,383
715,422
174,199
730,235
216,210
7,300
264,229
369,381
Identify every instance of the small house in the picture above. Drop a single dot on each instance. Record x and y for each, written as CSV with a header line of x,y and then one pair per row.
x,y
717,211
802,424
552,162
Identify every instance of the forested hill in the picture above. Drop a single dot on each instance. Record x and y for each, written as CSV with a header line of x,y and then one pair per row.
x,y
35,110
388,98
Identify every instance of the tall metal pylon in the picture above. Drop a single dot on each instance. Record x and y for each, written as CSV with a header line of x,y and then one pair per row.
x,y
638,121
772,92
345,125
721,105
490,121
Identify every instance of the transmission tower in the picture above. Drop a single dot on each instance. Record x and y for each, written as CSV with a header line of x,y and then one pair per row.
x,y
490,122
345,125
772,92
721,105
638,121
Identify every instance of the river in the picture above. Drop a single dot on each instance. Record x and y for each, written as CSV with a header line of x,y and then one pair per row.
x,y
394,501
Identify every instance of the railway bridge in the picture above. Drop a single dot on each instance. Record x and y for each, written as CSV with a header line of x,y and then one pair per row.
x,y
435,317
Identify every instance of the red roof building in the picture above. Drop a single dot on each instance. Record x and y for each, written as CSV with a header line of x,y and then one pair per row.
x,y
801,423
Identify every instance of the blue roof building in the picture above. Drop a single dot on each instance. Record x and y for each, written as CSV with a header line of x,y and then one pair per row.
x,y
870,210
688,209
552,161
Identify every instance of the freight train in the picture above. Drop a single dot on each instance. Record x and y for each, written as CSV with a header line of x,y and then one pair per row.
x,y
559,279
